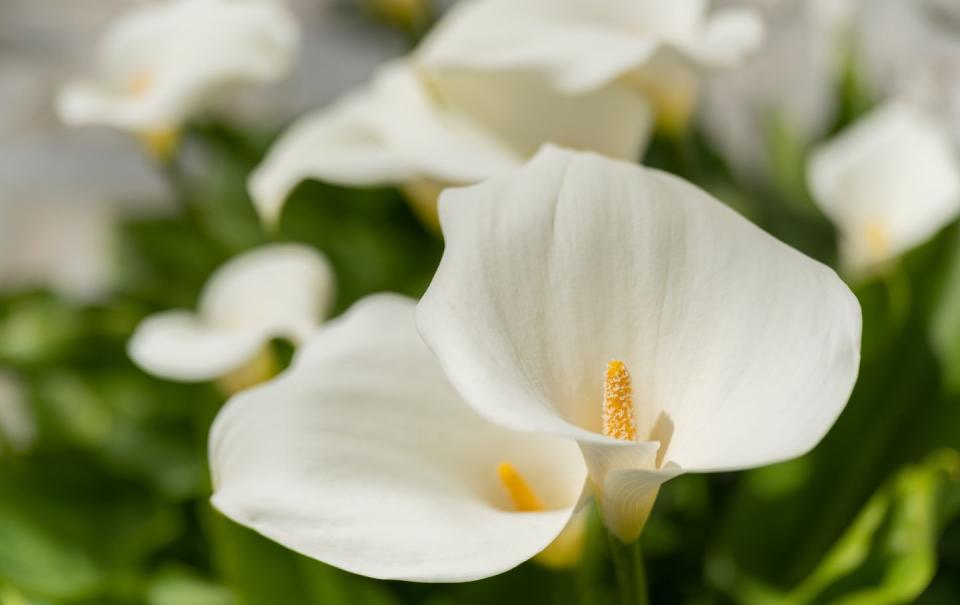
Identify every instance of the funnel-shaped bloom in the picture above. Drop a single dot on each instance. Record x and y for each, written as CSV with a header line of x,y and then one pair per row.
x,y
160,63
404,127
363,456
625,308
889,182
583,45
282,291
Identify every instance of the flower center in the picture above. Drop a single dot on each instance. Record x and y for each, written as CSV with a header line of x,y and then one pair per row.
x,y
877,237
618,414
521,494
140,84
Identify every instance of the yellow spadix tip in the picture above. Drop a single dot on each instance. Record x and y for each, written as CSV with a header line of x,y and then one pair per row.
x,y
521,494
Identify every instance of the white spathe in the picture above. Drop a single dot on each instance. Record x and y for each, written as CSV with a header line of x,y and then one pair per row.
x,y
276,291
586,44
743,351
160,63
361,455
889,182
789,87
405,126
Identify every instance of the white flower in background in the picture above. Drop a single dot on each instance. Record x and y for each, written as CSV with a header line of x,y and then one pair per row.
x,y
791,84
162,62
910,50
624,308
276,291
63,191
362,456
889,182
18,428
583,45
405,129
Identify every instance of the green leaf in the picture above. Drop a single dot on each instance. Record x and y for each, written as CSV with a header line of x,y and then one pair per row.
x,y
887,556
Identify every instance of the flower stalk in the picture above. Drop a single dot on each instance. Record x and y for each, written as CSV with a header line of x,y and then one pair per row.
x,y
630,571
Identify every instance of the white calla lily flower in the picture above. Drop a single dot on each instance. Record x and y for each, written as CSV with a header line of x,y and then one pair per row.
x,y
406,127
363,456
889,183
281,290
911,50
791,84
624,308
160,63
583,45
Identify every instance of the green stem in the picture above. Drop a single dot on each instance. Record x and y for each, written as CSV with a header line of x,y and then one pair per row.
x,y
630,572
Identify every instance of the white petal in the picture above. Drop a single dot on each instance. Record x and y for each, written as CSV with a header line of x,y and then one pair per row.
x,y
389,133
178,346
338,145
525,111
362,456
727,38
183,53
745,347
889,183
585,44
281,289
569,41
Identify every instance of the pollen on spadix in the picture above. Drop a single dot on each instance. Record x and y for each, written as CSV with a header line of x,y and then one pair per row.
x,y
522,496
618,414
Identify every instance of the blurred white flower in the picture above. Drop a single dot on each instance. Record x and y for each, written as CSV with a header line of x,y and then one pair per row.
x,y
363,456
160,63
622,307
889,182
791,84
281,290
61,191
18,428
407,127
911,50
584,45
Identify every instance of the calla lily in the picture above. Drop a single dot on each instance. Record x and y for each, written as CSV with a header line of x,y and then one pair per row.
x,y
363,456
911,50
18,428
889,182
160,63
405,128
624,308
791,84
583,45
282,290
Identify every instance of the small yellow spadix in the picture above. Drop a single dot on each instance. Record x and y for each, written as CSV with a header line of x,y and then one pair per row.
x,y
521,494
877,238
618,415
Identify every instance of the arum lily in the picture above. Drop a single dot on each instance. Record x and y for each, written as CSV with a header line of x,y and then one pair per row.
x,y
410,130
624,308
889,182
281,290
160,63
911,50
582,45
787,89
363,456
18,428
